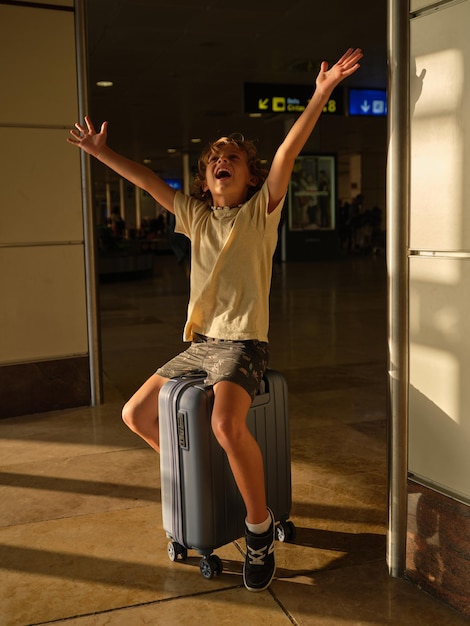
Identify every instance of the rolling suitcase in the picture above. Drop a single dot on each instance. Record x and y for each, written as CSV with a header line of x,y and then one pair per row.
x,y
201,506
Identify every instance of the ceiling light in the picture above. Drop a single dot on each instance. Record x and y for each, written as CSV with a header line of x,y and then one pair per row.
x,y
105,83
171,150
147,161
196,140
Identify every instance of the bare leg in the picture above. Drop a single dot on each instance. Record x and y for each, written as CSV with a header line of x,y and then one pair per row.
x,y
231,405
140,413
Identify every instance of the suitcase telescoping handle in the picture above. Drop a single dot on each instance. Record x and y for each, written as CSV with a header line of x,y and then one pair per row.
x,y
191,375
195,376
262,397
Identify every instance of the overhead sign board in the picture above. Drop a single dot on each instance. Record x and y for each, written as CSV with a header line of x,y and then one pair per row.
x,y
367,102
290,99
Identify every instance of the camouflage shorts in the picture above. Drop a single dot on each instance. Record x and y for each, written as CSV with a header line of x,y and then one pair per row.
x,y
241,362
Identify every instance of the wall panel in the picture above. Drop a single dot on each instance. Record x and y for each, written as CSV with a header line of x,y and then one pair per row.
x,y
40,193
44,344
51,278
37,66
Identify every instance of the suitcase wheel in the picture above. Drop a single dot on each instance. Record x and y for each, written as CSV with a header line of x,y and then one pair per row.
x,y
210,565
285,531
177,551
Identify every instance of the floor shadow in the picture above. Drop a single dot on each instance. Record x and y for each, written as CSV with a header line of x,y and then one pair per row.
x,y
98,570
79,486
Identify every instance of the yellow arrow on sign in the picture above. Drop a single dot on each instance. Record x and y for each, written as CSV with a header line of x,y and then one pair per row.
x,y
263,104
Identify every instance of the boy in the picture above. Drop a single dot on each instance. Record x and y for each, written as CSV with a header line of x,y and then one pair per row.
x,y
233,232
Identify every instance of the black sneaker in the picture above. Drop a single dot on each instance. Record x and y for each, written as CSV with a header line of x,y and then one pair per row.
x,y
260,566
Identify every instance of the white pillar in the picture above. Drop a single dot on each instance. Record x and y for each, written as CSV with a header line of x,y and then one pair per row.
x,y
108,201
122,199
138,208
186,173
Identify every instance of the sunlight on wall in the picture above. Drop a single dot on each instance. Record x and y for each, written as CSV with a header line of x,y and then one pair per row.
x,y
442,273
437,152
437,183
436,374
443,95
436,201
439,264
444,321
436,291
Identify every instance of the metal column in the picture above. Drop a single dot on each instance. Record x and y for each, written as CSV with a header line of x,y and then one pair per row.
x,y
94,347
398,279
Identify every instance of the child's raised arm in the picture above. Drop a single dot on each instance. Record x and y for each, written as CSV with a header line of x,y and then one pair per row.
x,y
86,138
288,151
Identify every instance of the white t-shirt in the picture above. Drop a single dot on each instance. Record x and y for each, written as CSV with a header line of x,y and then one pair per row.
x,y
231,265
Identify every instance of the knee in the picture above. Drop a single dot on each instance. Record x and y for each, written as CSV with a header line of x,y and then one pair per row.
x,y
129,416
228,433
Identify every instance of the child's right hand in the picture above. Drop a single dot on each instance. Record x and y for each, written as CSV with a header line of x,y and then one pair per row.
x,y
88,139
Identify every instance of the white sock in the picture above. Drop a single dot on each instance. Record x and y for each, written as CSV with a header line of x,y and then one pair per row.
x,y
259,529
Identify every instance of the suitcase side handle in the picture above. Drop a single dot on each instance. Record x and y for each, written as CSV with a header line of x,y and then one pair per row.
x,y
262,397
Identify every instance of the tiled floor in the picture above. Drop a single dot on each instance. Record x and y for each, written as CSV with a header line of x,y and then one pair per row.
x,y
81,540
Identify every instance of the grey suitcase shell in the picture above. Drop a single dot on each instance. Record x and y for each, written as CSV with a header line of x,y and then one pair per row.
x,y
201,505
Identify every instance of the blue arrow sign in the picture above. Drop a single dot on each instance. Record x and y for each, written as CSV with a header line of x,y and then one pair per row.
x,y
367,102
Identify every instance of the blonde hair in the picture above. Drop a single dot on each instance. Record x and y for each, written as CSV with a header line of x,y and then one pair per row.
x,y
254,164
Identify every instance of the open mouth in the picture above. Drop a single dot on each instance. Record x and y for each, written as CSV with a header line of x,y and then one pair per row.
x,y
223,174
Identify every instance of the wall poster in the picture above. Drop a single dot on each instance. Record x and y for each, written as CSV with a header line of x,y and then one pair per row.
x,y
311,197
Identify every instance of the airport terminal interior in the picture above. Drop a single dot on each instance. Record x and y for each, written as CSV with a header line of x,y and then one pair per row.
x,y
81,534
82,541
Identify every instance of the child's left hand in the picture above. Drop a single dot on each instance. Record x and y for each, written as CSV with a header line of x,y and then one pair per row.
x,y
327,79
